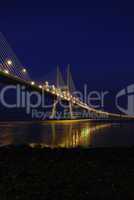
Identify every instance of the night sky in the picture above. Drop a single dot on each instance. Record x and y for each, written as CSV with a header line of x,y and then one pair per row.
x,y
95,37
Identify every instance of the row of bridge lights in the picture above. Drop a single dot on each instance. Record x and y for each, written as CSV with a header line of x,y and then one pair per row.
x,y
65,95
10,63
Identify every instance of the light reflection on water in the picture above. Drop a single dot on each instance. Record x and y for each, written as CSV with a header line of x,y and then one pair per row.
x,y
66,134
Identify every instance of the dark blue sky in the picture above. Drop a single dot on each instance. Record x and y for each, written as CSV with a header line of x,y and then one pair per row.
x,y
96,37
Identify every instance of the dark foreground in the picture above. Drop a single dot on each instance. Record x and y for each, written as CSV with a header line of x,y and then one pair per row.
x,y
27,173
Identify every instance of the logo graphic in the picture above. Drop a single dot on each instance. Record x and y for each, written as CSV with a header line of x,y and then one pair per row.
x,y
128,95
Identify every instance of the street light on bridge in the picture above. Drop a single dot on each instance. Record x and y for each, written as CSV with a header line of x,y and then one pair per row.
x,y
6,71
9,62
24,70
46,86
32,83
46,83
40,86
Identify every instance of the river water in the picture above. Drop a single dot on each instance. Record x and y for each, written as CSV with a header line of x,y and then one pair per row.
x,y
68,134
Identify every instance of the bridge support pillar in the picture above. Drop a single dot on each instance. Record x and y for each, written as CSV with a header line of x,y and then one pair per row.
x,y
70,110
54,109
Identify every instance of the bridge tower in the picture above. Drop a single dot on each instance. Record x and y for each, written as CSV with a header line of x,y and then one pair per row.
x,y
64,87
60,84
70,88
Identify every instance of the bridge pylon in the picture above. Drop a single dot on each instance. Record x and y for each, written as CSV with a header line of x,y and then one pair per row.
x,y
67,87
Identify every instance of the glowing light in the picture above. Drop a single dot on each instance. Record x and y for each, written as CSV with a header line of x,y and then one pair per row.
x,y
64,95
32,83
74,100
24,70
46,83
9,62
53,87
40,86
6,71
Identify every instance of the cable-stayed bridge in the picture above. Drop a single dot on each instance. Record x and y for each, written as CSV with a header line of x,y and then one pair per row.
x,y
12,72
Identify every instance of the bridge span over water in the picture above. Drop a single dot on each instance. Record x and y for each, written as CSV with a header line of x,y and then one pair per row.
x,y
12,73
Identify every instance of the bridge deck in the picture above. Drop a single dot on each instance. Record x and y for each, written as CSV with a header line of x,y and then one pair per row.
x,y
14,80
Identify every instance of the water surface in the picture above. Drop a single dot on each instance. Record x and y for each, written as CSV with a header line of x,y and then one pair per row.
x,y
69,134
